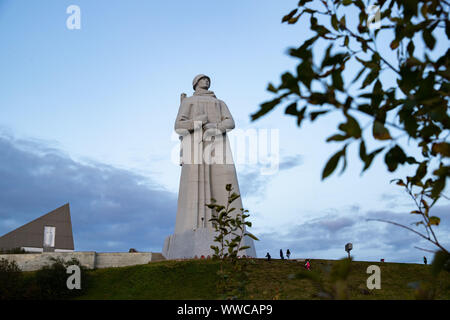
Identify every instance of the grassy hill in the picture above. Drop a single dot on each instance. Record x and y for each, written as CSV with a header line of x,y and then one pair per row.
x,y
197,279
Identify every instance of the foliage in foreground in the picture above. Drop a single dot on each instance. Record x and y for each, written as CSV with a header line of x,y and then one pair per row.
x,y
10,278
48,283
413,108
230,228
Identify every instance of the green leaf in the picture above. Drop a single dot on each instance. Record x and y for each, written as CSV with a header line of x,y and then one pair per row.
x,y
347,2
219,208
420,173
233,197
317,98
305,72
291,109
265,108
301,116
289,15
394,44
430,41
334,22
410,48
342,23
315,114
288,81
359,74
293,20
332,164
271,88
337,137
393,157
447,28
371,77
251,236
301,3
438,186
442,148
434,221
351,127
344,156
338,83
380,132
362,150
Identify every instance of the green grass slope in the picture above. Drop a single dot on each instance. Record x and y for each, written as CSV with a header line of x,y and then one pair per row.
x,y
197,279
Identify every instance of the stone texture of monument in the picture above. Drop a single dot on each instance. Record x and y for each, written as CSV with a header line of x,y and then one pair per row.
x,y
206,168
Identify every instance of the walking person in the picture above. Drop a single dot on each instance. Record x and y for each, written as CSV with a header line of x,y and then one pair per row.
x,y
281,254
288,254
425,260
308,265
268,256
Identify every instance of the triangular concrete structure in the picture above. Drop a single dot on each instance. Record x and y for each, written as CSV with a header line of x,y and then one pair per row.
x,y
31,235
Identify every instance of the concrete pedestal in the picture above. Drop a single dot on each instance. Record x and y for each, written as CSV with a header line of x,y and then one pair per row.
x,y
198,243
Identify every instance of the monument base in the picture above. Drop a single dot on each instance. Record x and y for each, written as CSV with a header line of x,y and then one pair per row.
x,y
197,243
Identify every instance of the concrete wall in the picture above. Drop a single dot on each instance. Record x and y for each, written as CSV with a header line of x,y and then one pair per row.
x,y
121,259
198,243
91,259
35,261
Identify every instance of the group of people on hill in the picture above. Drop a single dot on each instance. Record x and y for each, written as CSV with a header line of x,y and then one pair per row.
x,y
288,254
308,262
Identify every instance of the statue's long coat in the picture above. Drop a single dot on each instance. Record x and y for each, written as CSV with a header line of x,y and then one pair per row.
x,y
204,177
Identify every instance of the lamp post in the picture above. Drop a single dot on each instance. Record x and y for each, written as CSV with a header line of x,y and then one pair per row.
x,y
348,248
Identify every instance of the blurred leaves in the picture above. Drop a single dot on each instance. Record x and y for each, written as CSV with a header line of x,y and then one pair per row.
x,y
441,262
414,109
229,227
380,132
417,106
338,275
230,231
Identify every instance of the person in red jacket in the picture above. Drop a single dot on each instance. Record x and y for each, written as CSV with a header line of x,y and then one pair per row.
x,y
308,265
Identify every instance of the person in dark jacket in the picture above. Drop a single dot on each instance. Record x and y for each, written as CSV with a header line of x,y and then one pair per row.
x,y
281,254
288,253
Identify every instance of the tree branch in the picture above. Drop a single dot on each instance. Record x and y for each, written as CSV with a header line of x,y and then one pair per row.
x,y
427,250
401,225
412,230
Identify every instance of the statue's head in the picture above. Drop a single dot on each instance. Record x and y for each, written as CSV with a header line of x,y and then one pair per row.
x,y
202,81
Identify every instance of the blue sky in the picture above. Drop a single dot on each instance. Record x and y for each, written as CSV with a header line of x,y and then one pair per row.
x,y
86,117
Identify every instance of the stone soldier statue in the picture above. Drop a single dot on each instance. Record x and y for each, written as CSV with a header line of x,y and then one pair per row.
x,y
206,167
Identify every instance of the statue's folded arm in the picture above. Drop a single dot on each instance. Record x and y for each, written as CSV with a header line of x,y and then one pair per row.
x,y
227,122
184,123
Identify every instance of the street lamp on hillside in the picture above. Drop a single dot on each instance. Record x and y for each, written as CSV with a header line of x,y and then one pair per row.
x,y
348,248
